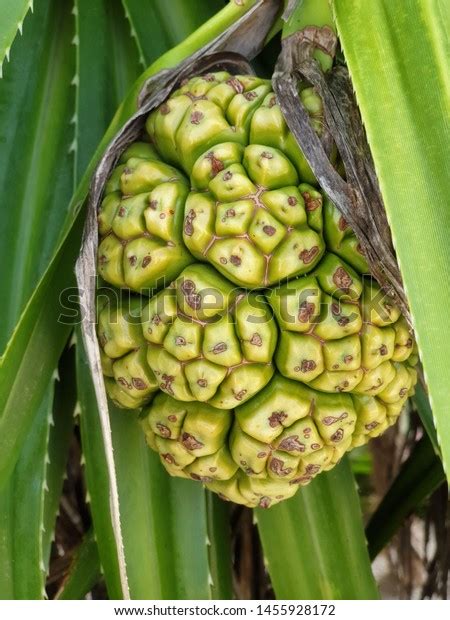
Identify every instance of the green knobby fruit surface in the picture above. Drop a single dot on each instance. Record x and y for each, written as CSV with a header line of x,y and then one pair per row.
x,y
200,339
265,449
140,222
268,352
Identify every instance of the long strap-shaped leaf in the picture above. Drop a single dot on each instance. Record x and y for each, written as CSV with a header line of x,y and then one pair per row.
x,y
173,24
84,571
314,543
29,502
166,528
398,57
21,515
12,15
36,181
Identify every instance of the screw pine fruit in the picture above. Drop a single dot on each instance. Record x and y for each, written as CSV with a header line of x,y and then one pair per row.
x,y
268,352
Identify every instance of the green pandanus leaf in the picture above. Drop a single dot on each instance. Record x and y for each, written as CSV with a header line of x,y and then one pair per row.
x,y
107,64
397,55
219,547
22,514
84,571
12,15
314,543
166,517
174,25
30,499
36,165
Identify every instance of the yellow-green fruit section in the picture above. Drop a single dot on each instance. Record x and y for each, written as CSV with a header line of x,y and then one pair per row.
x,y
245,213
140,222
252,392
262,451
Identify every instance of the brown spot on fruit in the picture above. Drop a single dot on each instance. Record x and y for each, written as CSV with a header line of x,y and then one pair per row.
x,y
301,480
190,442
331,419
277,418
348,359
146,261
202,383
269,230
216,165
403,392
312,468
220,347
180,341
132,260
292,201
261,455
383,350
138,384
164,431
292,444
371,425
223,260
124,383
188,223
340,387
102,260
307,256
235,260
239,395
194,301
227,176
266,155
342,224
342,279
341,320
315,446
305,311
153,204
196,117
121,212
264,502
166,384
213,469
236,85
278,468
256,340
250,95
164,109
311,204
168,458
272,102
338,435
306,366
172,418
